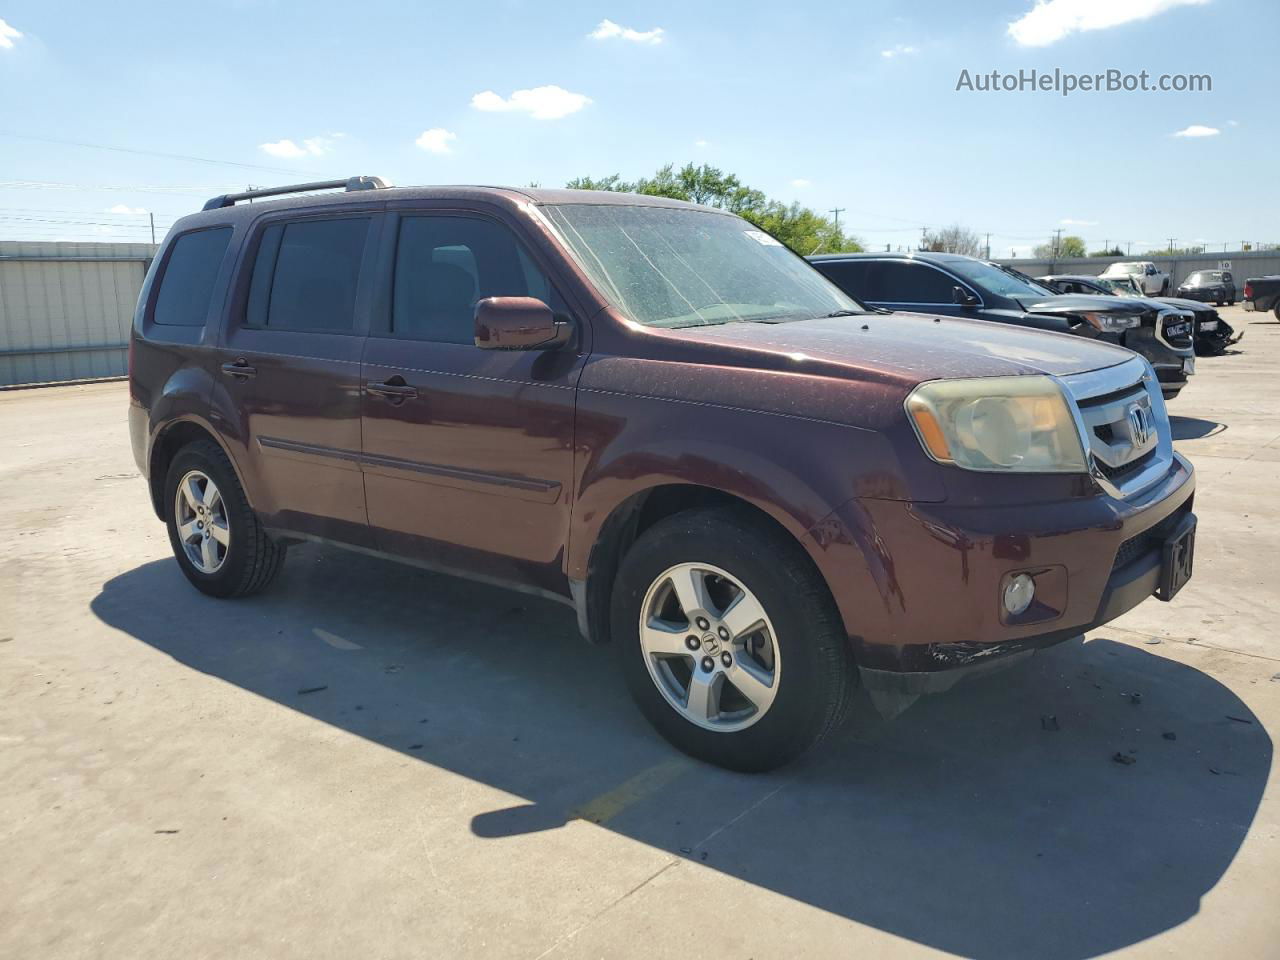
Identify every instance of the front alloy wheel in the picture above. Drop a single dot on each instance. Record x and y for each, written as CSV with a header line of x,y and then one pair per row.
x,y
709,647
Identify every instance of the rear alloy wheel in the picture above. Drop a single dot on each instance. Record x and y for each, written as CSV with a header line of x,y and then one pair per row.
x,y
729,640
216,537
201,518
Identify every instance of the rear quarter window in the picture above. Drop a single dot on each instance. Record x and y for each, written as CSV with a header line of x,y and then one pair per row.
x,y
188,277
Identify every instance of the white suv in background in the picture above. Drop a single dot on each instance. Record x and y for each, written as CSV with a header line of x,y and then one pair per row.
x,y
1154,282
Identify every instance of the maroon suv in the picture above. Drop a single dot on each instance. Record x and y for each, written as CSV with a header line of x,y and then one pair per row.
x,y
755,489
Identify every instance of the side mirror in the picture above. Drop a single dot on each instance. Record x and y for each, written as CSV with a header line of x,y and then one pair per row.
x,y
963,297
517,323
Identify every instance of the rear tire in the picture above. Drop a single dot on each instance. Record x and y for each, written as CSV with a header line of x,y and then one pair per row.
x,y
216,537
755,715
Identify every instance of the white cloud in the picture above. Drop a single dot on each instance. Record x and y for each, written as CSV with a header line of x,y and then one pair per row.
x,y
607,30
310,147
1233,123
1068,222
125,208
800,183
7,35
1051,20
541,103
436,140
701,144
901,50
1198,130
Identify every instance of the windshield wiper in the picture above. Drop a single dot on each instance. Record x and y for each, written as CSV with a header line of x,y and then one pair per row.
x,y
866,308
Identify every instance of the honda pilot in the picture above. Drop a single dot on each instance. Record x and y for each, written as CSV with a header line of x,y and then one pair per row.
x,y
757,492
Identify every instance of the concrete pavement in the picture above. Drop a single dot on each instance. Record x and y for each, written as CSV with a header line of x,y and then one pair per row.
x,y
467,778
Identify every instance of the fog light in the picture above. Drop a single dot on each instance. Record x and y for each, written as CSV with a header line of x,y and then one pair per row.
x,y
1018,594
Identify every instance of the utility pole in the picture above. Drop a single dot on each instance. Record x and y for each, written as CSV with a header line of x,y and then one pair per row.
x,y
988,245
1171,239
1057,243
924,233
153,228
1128,249
835,213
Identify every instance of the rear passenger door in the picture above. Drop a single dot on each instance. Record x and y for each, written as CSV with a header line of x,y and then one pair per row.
x,y
291,363
468,453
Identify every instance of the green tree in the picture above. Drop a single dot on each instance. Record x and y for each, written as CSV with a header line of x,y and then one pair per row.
x,y
803,230
1107,252
1068,248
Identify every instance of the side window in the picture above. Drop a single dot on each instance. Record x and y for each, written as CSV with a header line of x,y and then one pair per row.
x,y
305,275
186,285
851,276
445,264
914,283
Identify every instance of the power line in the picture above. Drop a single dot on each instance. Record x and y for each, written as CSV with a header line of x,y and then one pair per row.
x,y
151,153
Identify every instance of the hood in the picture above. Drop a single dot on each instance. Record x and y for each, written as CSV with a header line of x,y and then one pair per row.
x,y
915,347
1078,303
1195,306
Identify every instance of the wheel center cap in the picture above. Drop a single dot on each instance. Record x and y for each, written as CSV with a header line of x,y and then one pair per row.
x,y
710,644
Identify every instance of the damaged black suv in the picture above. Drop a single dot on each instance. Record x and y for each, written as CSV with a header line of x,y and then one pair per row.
x,y
959,286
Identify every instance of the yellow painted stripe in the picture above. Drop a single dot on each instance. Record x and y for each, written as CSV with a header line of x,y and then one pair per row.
x,y
605,807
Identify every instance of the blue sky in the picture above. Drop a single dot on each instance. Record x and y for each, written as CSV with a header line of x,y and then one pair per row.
x,y
843,104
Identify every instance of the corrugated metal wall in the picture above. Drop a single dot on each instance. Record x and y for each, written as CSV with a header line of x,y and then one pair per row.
x,y
65,309
1243,265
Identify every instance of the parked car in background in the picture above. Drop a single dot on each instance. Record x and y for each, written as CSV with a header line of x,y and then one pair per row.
x,y
1216,286
1154,281
1212,334
758,492
1092,286
958,286
1262,294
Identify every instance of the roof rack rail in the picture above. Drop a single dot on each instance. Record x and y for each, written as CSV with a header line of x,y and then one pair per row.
x,y
349,184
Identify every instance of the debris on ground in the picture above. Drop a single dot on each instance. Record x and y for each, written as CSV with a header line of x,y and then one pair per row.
x,y
1238,719
1049,722
1152,641
415,746
1124,758
1135,699
1169,735
311,690
1218,772
686,849
166,831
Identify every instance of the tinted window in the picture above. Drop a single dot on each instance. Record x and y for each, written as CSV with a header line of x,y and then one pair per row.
x,y
445,264
186,286
913,283
305,275
851,276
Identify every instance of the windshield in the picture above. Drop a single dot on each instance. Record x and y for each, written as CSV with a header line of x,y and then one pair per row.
x,y
1002,281
1121,288
1125,268
1204,278
679,267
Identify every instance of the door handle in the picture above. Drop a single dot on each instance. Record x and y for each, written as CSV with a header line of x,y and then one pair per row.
x,y
393,389
240,369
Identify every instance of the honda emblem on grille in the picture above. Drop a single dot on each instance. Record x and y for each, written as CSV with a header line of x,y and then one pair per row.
x,y
1140,424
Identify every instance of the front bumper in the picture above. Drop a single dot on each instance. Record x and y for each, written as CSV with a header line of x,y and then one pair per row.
x,y
930,602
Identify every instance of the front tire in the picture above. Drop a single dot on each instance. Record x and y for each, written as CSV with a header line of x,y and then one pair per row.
x,y
216,537
730,643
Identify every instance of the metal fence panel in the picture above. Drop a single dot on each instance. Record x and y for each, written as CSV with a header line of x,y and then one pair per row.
x,y
65,309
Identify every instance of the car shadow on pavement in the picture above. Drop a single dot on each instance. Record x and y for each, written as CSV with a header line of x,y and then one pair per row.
x,y
1072,805
1194,428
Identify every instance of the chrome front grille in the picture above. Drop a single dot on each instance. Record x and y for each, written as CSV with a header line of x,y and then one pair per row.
x,y
1122,420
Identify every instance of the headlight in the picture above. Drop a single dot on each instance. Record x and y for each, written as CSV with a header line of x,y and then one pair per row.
x,y
1112,322
998,424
